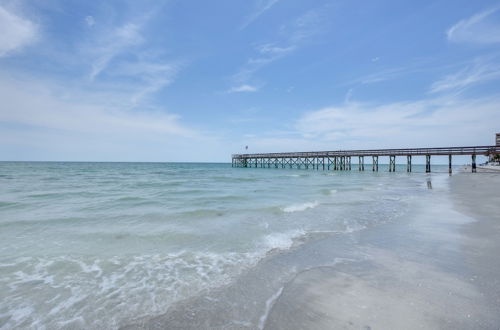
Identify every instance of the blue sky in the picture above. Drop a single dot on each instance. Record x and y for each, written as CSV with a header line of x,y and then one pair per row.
x,y
199,80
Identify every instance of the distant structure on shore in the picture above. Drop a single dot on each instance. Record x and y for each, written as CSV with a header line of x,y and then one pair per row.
x,y
494,159
341,159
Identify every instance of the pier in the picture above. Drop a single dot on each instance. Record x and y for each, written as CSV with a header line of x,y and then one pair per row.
x,y
340,160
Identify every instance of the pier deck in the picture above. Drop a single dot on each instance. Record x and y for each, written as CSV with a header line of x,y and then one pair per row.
x,y
341,159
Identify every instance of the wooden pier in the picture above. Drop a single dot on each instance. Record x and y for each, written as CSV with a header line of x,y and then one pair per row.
x,y
340,160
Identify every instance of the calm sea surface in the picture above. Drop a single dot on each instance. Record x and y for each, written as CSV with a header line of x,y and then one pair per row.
x,y
96,245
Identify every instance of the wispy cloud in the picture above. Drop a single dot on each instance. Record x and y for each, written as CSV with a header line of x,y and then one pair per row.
x,y
122,53
261,6
147,75
111,44
293,36
243,88
481,28
16,32
90,20
37,104
480,71
437,121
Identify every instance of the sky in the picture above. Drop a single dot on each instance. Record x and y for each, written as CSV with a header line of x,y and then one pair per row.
x,y
200,80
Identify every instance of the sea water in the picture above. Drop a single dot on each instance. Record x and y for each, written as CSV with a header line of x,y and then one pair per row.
x,y
98,245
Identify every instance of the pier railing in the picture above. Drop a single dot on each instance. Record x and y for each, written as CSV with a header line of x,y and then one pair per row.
x,y
341,159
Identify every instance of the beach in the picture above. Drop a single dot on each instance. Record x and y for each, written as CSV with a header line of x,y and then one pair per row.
x,y
437,270
431,275
207,246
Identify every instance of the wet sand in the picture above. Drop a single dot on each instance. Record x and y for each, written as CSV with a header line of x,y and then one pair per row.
x,y
444,275
438,269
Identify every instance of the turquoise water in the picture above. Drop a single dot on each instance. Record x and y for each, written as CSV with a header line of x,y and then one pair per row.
x,y
96,245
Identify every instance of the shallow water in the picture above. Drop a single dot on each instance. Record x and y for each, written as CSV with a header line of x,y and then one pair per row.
x,y
100,244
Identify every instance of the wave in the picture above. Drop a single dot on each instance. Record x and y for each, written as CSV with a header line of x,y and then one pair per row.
x,y
329,191
282,241
300,207
147,283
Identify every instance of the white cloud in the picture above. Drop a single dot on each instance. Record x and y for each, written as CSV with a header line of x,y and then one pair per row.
x,y
150,76
90,20
433,122
481,28
261,6
38,104
272,49
478,72
243,88
111,44
293,36
123,54
15,32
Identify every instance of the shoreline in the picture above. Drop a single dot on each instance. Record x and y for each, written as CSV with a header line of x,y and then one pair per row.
x,y
436,270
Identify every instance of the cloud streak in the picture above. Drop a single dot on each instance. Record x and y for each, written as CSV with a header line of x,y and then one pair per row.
x,y
478,72
294,35
29,104
112,44
243,88
16,32
364,125
481,28
261,7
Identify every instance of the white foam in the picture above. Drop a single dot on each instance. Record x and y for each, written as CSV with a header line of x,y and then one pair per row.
x,y
282,241
148,284
269,304
300,207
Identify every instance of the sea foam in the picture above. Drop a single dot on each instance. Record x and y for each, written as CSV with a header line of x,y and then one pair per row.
x,y
300,207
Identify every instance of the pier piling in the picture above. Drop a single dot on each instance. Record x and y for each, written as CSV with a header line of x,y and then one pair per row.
x,y
375,163
392,163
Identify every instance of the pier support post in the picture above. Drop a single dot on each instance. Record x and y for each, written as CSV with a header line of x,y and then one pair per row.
x,y
408,163
375,163
474,164
361,165
427,163
449,164
335,168
348,163
392,163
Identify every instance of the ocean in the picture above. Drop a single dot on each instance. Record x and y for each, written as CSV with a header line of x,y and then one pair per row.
x,y
100,245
